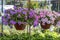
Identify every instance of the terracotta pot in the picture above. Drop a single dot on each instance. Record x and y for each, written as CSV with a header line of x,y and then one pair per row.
x,y
46,26
19,27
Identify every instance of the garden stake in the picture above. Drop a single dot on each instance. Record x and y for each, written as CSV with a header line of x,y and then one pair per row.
x,y
2,21
29,28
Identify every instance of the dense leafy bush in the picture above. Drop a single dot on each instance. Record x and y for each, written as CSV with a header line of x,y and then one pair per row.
x,y
47,35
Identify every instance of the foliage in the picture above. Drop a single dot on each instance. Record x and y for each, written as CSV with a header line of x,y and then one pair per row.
x,y
47,35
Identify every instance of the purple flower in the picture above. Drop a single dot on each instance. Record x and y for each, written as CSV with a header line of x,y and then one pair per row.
x,y
31,14
35,23
45,11
24,12
37,17
12,22
58,23
15,7
25,17
5,11
5,23
19,16
32,10
48,22
13,12
4,19
52,18
42,15
7,16
19,23
21,9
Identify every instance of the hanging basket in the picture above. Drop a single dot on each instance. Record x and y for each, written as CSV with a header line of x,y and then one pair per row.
x,y
19,27
46,26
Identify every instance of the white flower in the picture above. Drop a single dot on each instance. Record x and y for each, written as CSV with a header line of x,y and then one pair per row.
x,y
52,18
52,22
48,22
44,19
43,23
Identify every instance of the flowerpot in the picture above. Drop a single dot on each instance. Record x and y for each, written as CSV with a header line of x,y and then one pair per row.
x,y
19,27
46,26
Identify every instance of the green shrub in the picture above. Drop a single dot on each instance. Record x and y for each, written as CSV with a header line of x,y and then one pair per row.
x,y
36,36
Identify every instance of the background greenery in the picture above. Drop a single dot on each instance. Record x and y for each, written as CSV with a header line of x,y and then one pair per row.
x,y
35,36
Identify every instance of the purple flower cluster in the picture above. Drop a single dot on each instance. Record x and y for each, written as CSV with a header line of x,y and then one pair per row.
x,y
12,22
23,15
12,12
35,23
20,15
12,16
48,17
